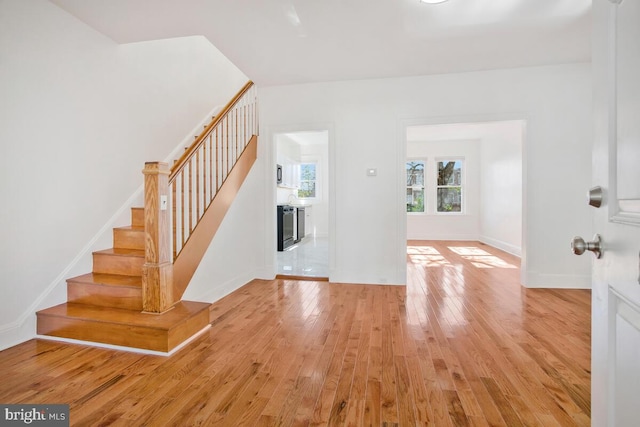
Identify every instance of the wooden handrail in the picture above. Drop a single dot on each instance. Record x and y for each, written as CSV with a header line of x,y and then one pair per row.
x,y
189,153
178,201
196,177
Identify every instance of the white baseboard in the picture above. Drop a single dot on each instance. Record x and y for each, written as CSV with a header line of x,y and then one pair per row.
x,y
268,272
127,349
17,332
503,246
221,290
557,281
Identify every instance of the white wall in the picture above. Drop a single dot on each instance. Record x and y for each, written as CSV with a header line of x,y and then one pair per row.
x,y
438,226
236,253
79,116
501,186
369,118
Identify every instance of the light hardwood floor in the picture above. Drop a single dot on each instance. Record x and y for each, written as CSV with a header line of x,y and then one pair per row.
x,y
462,344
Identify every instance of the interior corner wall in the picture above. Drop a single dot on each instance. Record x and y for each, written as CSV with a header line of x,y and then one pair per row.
x,y
436,226
79,116
368,117
501,186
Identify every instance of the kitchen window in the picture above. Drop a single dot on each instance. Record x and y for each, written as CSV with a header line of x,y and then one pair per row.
x,y
307,187
449,186
415,186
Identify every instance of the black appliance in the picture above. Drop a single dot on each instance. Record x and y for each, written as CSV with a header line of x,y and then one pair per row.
x,y
278,174
300,224
285,216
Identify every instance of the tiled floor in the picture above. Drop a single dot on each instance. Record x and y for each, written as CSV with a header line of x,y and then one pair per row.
x,y
310,257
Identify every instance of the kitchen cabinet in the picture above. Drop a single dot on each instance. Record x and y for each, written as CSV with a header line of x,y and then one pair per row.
x,y
300,223
290,172
288,156
308,220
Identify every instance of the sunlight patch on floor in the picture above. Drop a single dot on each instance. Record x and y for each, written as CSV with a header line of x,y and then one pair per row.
x,y
429,256
429,260
426,255
423,250
467,250
488,262
480,258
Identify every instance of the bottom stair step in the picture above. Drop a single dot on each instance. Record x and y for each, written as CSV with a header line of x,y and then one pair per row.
x,y
106,290
129,328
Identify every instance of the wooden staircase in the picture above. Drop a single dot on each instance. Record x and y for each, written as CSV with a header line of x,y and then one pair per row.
x,y
105,306
132,297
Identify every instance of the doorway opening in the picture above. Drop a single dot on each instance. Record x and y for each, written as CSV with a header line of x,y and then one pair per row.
x,y
465,183
302,188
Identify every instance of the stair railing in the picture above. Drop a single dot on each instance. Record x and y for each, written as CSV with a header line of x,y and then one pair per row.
x,y
177,198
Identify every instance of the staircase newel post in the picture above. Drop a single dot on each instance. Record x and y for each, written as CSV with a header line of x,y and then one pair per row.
x,y
157,272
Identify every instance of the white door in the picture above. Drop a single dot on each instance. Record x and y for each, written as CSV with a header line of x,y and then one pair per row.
x,y
615,362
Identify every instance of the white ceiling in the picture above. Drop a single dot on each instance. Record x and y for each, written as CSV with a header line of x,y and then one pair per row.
x,y
277,42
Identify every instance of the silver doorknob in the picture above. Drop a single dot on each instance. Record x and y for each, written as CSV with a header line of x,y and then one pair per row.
x,y
579,246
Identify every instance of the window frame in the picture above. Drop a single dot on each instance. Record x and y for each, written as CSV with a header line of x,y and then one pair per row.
x,y
424,162
436,186
316,180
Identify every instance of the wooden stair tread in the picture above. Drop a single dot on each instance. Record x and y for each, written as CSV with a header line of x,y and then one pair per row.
x,y
181,312
106,290
122,252
130,228
128,328
108,280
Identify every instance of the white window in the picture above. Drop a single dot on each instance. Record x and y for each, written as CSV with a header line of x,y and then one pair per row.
x,y
415,185
449,186
307,187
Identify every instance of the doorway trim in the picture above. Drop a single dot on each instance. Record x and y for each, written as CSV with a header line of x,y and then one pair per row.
x,y
405,123
270,259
